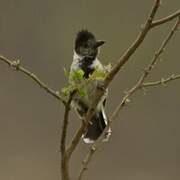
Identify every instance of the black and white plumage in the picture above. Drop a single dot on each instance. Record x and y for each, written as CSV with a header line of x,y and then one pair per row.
x,y
85,57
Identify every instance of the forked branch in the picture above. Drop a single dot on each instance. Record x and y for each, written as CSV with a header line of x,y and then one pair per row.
x,y
165,19
140,84
66,152
100,91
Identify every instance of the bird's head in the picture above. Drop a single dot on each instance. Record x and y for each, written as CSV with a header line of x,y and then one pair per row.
x,y
86,44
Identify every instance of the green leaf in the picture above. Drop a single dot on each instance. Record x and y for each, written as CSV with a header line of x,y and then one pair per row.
x,y
98,75
68,89
77,75
65,91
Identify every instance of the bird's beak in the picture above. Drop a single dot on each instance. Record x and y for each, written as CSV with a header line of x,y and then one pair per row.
x,y
99,43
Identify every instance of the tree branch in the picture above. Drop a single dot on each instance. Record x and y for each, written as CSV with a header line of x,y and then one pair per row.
x,y
100,91
125,57
163,81
86,160
64,159
125,99
17,66
67,152
166,19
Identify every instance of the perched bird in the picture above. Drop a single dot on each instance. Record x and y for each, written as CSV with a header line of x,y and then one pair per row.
x,y
86,50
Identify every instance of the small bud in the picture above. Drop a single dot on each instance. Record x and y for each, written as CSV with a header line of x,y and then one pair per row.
x,y
16,64
172,76
57,92
163,82
127,101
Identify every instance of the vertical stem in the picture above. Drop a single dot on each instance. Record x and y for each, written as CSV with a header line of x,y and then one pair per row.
x,y
64,158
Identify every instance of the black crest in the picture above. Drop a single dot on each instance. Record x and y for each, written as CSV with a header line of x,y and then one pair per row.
x,y
86,44
83,37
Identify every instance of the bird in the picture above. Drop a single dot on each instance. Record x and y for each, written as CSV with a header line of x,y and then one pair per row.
x,y
85,58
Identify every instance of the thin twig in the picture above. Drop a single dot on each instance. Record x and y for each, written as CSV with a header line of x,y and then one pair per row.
x,y
17,66
146,72
165,19
163,81
64,159
86,161
125,99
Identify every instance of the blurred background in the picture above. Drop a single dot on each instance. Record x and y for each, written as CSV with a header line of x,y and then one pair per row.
x,y
145,141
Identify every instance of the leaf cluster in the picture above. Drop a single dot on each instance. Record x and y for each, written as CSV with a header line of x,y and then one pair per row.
x,y
76,80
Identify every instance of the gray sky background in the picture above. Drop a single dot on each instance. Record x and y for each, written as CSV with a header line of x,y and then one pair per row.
x,y
145,140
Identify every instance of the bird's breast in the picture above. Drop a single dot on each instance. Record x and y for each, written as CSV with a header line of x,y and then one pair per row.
x,y
86,65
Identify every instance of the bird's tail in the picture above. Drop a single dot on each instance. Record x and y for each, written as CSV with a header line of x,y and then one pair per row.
x,y
96,128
